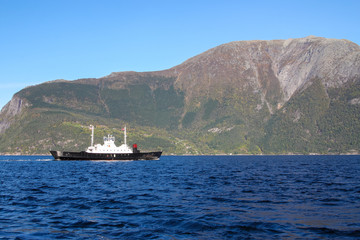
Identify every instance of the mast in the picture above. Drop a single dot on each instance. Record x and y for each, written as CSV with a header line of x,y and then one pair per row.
x,y
92,135
125,135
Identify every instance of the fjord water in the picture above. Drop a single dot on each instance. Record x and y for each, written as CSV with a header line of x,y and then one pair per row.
x,y
187,197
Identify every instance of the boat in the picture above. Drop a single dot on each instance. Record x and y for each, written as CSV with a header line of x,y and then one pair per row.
x,y
107,151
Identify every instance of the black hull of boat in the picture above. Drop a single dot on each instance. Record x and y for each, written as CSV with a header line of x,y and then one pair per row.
x,y
58,155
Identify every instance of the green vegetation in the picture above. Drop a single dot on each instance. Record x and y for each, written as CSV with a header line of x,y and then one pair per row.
x,y
161,108
209,108
314,120
340,125
64,96
188,119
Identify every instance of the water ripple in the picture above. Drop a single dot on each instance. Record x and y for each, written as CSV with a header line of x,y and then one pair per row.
x,y
207,197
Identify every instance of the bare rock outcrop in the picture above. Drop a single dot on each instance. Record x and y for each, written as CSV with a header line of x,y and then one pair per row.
x,y
290,64
10,110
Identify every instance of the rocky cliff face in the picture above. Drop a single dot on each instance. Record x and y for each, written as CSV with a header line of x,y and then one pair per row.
x,y
10,110
244,90
260,65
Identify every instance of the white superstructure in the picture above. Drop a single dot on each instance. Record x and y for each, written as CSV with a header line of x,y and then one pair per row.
x,y
109,145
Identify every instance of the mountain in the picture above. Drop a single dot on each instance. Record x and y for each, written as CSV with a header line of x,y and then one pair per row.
x,y
245,97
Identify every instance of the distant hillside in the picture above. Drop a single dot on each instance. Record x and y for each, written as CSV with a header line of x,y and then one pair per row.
x,y
247,97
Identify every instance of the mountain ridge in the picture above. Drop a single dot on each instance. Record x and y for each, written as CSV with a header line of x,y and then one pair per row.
x,y
242,86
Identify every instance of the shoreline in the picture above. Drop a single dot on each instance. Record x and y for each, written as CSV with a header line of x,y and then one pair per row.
x,y
195,155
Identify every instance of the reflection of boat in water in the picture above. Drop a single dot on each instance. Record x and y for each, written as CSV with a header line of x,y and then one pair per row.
x,y
107,151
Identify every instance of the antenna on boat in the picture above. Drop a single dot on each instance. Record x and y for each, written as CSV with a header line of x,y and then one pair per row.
x,y
92,135
125,135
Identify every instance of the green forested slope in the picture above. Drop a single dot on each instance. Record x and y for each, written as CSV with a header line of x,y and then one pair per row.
x,y
312,121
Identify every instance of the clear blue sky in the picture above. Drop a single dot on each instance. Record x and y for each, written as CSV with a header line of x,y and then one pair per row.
x,y
43,40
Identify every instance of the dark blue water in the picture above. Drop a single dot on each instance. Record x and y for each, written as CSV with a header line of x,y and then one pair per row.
x,y
206,197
